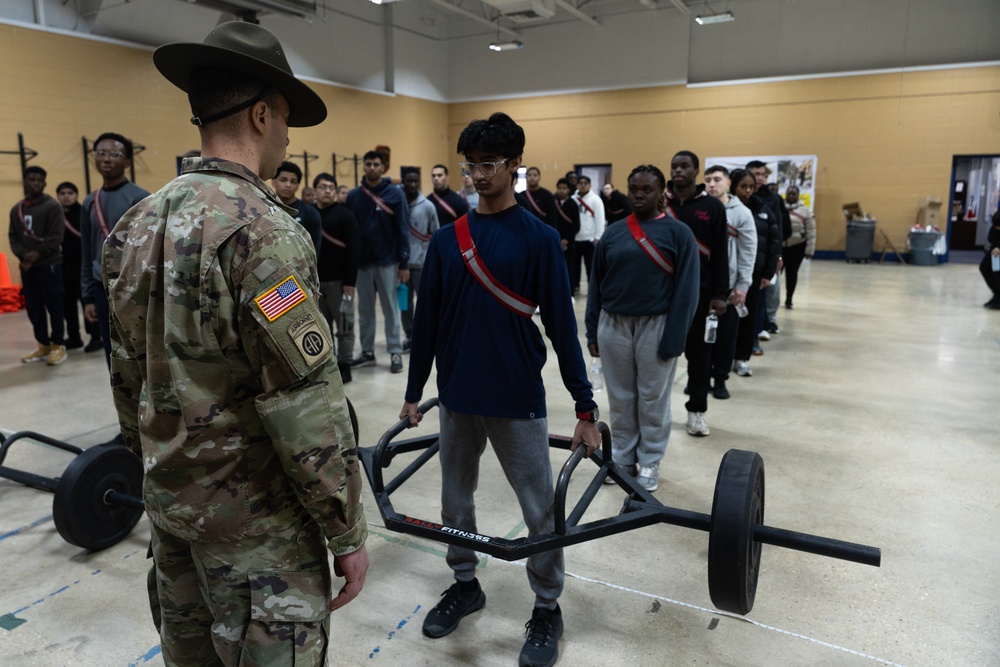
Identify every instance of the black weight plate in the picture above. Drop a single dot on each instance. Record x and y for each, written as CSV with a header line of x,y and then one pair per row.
x,y
733,554
81,515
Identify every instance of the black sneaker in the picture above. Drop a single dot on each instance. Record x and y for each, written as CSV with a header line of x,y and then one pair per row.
x,y
542,632
366,359
94,345
455,605
719,390
406,346
74,343
396,365
345,371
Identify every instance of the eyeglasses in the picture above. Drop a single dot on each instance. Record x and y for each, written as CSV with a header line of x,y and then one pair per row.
x,y
114,155
326,186
487,169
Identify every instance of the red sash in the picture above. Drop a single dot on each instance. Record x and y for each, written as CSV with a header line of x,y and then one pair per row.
x,y
379,203
20,213
419,235
735,233
563,213
70,227
579,200
647,246
534,204
516,303
102,221
704,249
443,204
333,239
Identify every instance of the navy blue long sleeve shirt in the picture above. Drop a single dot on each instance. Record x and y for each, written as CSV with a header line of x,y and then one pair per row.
x,y
384,237
490,359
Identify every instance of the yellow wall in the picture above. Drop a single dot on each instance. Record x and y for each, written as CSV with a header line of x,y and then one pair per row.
x,y
884,140
59,88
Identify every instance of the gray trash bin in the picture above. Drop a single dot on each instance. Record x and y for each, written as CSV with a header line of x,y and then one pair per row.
x,y
921,244
860,237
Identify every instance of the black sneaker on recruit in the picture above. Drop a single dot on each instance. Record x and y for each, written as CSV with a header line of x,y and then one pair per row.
x,y
542,633
458,602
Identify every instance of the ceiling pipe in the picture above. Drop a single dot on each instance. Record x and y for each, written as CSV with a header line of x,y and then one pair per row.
x,y
475,17
577,13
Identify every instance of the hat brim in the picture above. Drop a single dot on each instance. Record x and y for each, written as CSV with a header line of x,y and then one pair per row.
x,y
176,62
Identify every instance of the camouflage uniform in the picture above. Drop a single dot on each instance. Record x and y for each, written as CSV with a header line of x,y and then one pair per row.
x,y
226,384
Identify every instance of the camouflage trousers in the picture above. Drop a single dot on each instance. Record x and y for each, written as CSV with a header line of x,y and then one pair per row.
x,y
262,601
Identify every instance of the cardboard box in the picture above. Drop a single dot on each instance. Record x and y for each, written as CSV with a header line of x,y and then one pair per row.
x,y
853,211
930,213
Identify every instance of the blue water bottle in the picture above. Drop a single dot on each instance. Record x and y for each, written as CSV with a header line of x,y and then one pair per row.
x,y
402,297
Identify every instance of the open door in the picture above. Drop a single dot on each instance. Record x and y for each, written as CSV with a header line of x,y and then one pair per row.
x,y
975,190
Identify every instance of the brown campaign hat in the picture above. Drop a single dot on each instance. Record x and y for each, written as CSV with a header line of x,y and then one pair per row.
x,y
251,50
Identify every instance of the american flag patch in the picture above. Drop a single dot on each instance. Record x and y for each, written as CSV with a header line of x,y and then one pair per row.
x,y
278,300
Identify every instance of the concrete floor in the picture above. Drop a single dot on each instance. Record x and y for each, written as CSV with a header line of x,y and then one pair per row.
x,y
870,410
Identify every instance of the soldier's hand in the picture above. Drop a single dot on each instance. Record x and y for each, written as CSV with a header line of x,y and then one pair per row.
x,y
352,567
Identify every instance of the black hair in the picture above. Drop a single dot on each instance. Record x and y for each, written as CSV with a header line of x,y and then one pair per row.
x,y
406,171
213,90
738,175
563,181
67,185
717,168
371,155
323,176
291,168
694,158
533,169
114,136
440,166
572,172
650,169
755,164
498,135
792,187
34,169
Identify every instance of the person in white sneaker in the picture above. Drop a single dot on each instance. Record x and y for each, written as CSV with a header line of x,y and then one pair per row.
x,y
640,304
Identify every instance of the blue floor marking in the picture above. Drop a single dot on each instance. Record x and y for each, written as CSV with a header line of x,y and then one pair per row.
x,y
146,657
18,531
399,626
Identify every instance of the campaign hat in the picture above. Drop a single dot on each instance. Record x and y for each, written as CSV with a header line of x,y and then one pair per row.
x,y
249,49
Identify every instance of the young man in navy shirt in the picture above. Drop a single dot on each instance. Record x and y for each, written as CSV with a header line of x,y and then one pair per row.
x,y
489,358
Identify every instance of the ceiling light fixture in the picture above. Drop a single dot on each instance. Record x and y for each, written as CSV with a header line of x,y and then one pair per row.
x,y
512,45
725,17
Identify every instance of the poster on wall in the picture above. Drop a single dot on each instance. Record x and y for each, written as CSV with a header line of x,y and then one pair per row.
x,y
785,170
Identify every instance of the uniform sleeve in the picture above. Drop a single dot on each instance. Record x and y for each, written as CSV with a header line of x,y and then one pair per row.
x,y
87,282
746,248
301,402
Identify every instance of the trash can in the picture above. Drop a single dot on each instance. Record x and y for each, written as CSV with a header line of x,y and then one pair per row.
x,y
860,237
921,247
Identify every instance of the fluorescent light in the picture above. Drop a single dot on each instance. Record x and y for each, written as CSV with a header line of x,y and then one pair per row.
x,y
725,17
507,46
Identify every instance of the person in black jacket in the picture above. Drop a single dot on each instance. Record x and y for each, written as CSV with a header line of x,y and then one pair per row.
x,y
768,251
992,277
568,217
616,206
68,195
767,193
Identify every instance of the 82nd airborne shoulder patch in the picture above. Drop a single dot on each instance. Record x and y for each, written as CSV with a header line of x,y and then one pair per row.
x,y
281,298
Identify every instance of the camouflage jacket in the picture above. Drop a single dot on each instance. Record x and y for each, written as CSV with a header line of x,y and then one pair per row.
x,y
223,371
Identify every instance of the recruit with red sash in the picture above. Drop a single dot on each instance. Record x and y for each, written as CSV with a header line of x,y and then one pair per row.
x,y
507,297
647,246
534,205
379,202
443,204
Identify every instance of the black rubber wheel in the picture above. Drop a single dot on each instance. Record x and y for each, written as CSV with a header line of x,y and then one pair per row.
x,y
80,510
733,554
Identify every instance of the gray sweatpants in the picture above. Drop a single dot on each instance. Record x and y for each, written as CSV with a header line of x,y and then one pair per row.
x,y
773,299
522,447
384,279
638,384
329,305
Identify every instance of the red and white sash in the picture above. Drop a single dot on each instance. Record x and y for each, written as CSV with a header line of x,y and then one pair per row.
x,y
70,227
333,239
379,202
419,235
579,200
507,298
20,213
647,246
102,221
563,213
735,233
534,205
703,249
443,204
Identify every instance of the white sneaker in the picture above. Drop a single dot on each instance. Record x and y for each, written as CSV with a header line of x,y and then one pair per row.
x,y
763,335
697,424
742,368
648,478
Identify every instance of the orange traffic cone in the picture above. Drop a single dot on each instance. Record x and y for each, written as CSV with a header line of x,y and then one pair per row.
x,y
5,280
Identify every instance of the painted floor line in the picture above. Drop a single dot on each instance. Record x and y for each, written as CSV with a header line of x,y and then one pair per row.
x,y
18,531
146,657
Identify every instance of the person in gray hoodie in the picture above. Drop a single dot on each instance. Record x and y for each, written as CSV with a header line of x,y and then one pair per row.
x,y
423,223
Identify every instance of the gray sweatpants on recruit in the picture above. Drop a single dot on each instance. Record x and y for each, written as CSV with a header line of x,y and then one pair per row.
x,y
638,384
384,280
522,447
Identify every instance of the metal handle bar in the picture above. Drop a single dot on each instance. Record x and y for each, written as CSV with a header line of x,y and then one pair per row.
x,y
562,485
380,460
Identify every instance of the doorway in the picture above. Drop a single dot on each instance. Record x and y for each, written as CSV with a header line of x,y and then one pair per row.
x,y
599,174
975,191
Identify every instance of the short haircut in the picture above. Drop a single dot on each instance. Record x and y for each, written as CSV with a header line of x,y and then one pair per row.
x,y
717,168
583,178
571,173
792,187
534,169
35,170
498,135
694,158
371,155
564,181
324,176
650,169
755,164
738,175
406,171
291,168
114,136
213,90
440,166
67,185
